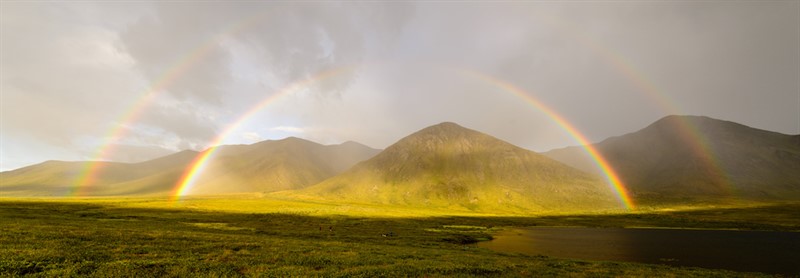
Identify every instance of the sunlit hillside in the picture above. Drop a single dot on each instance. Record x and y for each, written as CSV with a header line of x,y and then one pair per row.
x,y
447,165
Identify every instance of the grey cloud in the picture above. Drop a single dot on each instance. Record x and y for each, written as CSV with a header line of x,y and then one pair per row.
x,y
185,122
60,80
294,41
288,41
70,70
297,41
179,50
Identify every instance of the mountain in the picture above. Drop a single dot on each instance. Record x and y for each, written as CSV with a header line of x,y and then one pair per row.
x,y
265,166
694,158
449,166
58,178
268,166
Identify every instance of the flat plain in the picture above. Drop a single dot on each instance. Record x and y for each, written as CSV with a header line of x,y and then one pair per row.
x,y
248,235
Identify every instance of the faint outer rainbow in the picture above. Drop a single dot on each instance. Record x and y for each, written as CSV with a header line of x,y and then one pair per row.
x,y
189,177
613,179
92,168
687,131
88,174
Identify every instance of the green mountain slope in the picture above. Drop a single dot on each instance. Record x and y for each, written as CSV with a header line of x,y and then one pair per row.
x,y
699,158
447,165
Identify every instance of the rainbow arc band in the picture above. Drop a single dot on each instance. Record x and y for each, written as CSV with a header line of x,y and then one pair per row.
x,y
88,174
688,132
196,167
198,164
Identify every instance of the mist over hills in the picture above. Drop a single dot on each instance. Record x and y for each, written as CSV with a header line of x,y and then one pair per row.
x,y
266,166
447,165
691,158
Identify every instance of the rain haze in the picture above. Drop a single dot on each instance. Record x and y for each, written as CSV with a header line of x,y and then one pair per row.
x,y
138,79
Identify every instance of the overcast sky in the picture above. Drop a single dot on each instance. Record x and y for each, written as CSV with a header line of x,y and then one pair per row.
x,y
71,71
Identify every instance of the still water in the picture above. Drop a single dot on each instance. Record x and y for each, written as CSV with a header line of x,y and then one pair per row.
x,y
769,252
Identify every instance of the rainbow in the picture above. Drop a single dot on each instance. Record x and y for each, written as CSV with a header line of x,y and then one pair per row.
x,y
611,176
88,173
187,180
197,166
687,131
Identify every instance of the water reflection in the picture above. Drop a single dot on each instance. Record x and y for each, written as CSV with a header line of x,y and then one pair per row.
x,y
770,252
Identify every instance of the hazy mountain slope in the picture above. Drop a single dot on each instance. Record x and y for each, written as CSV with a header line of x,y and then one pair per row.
x,y
447,165
46,178
663,161
268,166
264,166
58,178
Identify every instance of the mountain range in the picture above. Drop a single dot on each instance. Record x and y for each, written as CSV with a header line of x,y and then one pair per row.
x,y
682,158
677,159
267,166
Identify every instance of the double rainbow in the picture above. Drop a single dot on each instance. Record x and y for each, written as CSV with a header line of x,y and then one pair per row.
x,y
196,167
88,175
198,164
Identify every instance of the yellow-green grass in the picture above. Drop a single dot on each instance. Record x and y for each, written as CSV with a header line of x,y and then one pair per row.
x,y
250,235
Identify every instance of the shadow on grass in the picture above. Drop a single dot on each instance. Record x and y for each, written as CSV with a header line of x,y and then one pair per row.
x,y
85,239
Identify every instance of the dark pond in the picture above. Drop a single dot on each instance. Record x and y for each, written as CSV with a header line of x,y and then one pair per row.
x,y
768,252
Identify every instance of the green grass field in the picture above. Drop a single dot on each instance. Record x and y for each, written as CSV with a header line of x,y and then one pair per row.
x,y
251,236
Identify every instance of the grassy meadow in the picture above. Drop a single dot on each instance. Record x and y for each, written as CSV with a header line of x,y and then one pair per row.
x,y
248,235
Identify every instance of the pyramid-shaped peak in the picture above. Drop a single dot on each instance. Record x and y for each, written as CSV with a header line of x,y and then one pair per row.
x,y
450,165
446,128
446,132
446,125
448,136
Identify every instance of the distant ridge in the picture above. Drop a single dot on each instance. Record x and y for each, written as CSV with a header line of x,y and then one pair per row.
x,y
57,178
275,165
261,167
662,162
450,166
